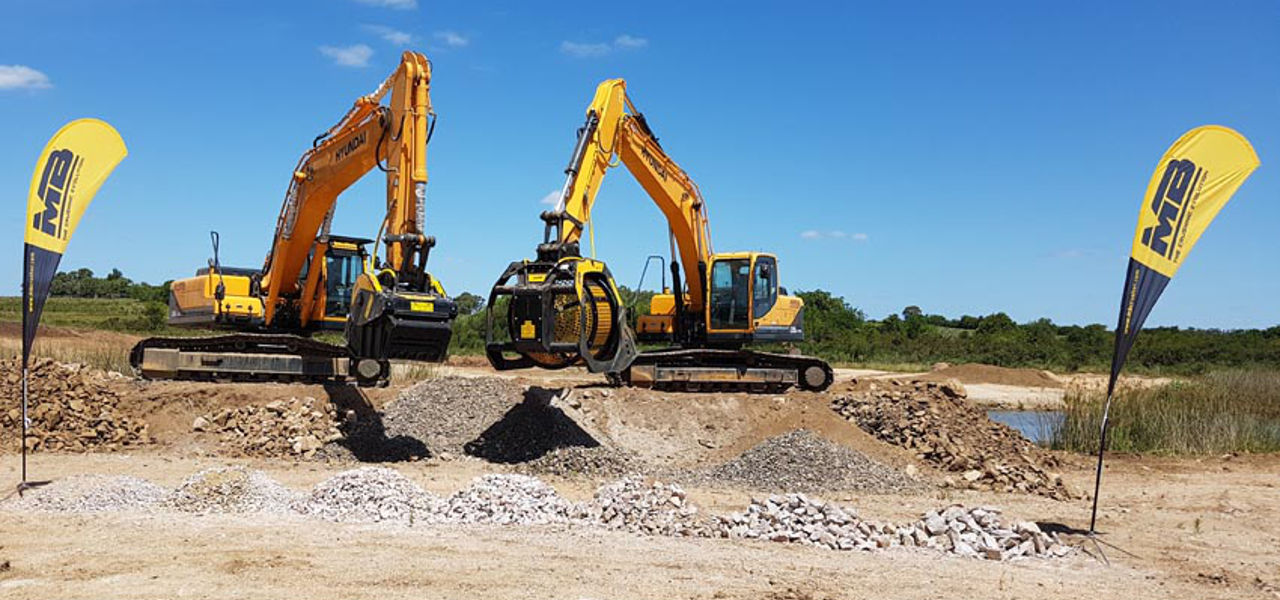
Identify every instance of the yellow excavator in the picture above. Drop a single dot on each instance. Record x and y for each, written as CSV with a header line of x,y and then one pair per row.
x,y
564,309
312,280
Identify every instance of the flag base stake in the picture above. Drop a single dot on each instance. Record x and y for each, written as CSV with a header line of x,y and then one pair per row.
x,y
31,485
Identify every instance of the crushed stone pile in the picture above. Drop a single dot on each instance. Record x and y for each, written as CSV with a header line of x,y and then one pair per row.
x,y
967,532
72,408
91,494
378,494
436,417
508,499
649,508
447,412
232,490
933,420
370,494
294,427
582,461
802,461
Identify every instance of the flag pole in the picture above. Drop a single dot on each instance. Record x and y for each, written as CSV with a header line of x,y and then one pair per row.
x,y
1102,448
23,485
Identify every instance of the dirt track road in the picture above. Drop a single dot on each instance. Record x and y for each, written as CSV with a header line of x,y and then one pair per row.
x,y
1183,529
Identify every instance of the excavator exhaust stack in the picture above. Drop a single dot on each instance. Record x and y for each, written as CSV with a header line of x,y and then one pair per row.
x,y
556,315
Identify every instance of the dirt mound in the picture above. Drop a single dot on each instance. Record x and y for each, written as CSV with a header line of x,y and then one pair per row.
x,y
979,373
801,461
72,408
949,433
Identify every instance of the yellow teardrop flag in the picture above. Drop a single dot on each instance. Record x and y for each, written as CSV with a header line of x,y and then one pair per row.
x,y
1194,180
69,172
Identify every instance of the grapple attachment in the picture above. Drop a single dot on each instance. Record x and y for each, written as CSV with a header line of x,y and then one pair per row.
x,y
558,314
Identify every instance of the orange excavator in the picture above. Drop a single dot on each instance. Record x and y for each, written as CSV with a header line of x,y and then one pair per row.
x,y
388,307
563,309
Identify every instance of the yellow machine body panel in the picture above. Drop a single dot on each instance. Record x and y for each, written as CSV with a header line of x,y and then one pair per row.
x,y
193,301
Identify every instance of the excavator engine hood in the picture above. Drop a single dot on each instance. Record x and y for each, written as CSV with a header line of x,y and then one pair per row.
x,y
558,314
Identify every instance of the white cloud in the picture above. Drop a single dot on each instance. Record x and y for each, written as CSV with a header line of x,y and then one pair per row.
x,y
552,198
356,55
452,39
814,234
389,35
22,77
584,50
594,49
630,41
400,4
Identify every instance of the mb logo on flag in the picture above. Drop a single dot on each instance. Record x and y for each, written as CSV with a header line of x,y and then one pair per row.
x,y
1171,204
56,190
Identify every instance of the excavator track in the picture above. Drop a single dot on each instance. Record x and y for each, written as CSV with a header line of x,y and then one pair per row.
x,y
251,357
712,370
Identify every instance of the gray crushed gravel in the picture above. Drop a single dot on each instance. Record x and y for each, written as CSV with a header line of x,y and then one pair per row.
x,y
579,461
802,461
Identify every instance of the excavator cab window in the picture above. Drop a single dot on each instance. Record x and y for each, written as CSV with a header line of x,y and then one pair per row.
x,y
731,293
764,290
342,268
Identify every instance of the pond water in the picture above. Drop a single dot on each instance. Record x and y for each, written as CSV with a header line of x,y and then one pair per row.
x,y
1035,425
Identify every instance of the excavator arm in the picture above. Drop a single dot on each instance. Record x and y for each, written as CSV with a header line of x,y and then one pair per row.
x,y
614,128
391,137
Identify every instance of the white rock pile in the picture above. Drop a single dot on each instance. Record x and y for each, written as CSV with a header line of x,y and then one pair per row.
x,y
379,494
508,499
232,490
650,508
968,532
92,494
371,494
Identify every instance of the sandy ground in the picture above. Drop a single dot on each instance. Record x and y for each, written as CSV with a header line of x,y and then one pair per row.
x,y
1178,529
1173,528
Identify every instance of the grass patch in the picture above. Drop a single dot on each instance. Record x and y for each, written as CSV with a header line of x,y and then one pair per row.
x,y
1224,411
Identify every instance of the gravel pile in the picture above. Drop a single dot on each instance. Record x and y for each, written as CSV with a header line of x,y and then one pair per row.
x,y
649,508
91,494
508,500
802,461
72,409
933,420
296,427
580,461
232,490
973,532
447,412
370,494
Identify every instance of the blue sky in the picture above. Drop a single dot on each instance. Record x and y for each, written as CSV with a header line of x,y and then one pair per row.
x,y
964,157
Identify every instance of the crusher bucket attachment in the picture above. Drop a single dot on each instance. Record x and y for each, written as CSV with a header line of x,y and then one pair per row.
x,y
559,314
390,323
